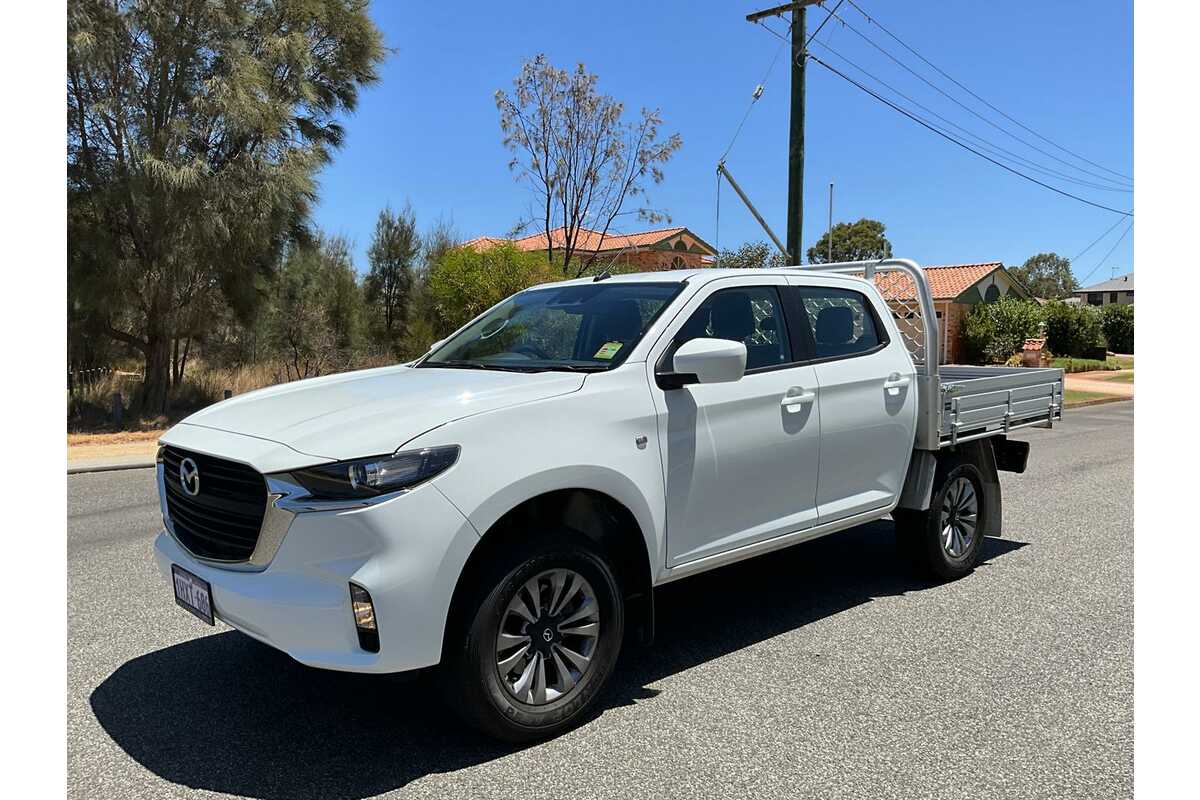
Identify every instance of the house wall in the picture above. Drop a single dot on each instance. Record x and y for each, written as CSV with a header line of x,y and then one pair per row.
x,y
1003,283
1106,298
655,260
953,317
950,317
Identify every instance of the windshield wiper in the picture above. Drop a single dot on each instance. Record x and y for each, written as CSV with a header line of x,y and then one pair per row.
x,y
476,365
574,368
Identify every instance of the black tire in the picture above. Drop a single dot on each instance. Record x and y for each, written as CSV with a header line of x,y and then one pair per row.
x,y
470,677
920,533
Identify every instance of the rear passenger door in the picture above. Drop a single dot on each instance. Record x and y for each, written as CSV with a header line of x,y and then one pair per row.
x,y
867,396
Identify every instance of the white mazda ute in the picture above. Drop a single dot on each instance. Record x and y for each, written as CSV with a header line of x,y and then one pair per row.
x,y
501,509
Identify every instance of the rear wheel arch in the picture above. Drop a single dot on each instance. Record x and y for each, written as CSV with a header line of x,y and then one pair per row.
x,y
918,529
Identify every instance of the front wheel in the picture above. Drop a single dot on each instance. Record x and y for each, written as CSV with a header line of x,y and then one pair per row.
x,y
945,540
543,638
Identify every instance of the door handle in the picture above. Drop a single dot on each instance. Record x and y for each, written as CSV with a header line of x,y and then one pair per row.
x,y
896,381
797,397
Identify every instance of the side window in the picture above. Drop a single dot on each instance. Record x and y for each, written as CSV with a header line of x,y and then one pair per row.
x,y
841,321
752,315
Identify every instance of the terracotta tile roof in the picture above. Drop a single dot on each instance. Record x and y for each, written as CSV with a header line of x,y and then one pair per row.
x,y
482,242
946,281
591,241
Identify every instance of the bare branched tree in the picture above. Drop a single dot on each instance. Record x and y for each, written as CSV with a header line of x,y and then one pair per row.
x,y
583,160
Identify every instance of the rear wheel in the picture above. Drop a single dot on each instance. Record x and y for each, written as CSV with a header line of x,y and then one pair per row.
x,y
538,641
945,540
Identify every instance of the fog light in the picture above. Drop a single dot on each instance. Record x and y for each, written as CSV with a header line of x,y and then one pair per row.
x,y
364,618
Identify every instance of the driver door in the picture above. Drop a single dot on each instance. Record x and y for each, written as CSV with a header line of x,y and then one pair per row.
x,y
739,458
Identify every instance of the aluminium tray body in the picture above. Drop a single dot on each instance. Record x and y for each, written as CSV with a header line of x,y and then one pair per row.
x,y
985,401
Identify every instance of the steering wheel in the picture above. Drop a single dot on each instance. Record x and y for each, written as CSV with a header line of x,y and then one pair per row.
x,y
527,349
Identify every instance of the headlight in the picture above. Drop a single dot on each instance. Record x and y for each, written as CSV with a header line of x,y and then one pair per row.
x,y
370,477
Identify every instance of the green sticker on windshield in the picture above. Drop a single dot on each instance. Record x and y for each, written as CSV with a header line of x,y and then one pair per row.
x,y
608,350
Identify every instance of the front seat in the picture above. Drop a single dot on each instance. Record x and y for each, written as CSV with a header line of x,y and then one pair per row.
x,y
732,316
619,321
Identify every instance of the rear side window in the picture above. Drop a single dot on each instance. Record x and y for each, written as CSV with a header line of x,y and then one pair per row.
x,y
841,321
752,315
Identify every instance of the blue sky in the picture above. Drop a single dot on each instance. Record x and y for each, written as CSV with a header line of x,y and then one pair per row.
x,y
428,132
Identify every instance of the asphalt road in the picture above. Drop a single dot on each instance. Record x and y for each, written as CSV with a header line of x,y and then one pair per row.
x,y
823,671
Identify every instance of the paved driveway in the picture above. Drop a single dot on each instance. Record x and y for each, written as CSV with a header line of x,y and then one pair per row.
x,y
822,671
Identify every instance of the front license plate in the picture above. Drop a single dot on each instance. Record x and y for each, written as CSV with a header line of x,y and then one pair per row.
x,y
193,593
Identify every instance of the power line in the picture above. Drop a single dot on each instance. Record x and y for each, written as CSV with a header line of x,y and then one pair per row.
x,y
916,118
985,144
1097,241
1124,233
828,16
945,75
758,91
963,145
959,103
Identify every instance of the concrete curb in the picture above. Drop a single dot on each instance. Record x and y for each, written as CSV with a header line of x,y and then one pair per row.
x,y
1099,402
109,467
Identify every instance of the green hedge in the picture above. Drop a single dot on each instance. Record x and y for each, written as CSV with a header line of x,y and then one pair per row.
x,y
466,282
992,332
1117,323
1072,330
1083,364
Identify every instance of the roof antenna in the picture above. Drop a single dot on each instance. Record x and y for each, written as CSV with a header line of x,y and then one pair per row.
x,y
603,276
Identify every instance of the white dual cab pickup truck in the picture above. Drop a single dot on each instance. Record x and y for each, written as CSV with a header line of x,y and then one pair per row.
x,y
504,506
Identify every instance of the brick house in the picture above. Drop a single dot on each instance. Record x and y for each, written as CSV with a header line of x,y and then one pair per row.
x,y
661,249
955,287
1118,291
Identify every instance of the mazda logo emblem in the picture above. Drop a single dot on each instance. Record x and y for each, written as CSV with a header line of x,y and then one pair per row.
x,y
547,634
189,477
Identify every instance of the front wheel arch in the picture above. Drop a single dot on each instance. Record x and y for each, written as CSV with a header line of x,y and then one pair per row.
x,y
596,515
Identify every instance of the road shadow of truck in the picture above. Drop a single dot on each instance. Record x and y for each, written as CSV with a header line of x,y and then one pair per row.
x,y
227,714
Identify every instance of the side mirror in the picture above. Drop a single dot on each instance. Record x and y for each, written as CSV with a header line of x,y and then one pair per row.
x,y
435,345
710,361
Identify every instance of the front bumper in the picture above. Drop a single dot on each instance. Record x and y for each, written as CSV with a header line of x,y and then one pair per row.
x,y
407,552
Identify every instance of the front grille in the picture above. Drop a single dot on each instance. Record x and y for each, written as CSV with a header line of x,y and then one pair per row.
x,y
222,520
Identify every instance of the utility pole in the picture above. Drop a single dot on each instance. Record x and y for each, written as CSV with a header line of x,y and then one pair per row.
x,y
829,230
795,212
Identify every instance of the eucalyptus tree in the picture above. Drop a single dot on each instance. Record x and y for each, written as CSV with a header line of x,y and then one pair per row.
x,y
1046,275
852,241
195,130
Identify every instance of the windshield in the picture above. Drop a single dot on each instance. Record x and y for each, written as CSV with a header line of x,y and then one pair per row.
x,y
584,327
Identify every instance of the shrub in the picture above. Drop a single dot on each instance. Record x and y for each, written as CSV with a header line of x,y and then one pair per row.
x,y
466,282
1083,364
1072,330
993,332
1117,324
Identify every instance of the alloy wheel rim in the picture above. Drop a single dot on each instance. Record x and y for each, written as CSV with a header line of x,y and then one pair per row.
x,y
959,517
548,637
